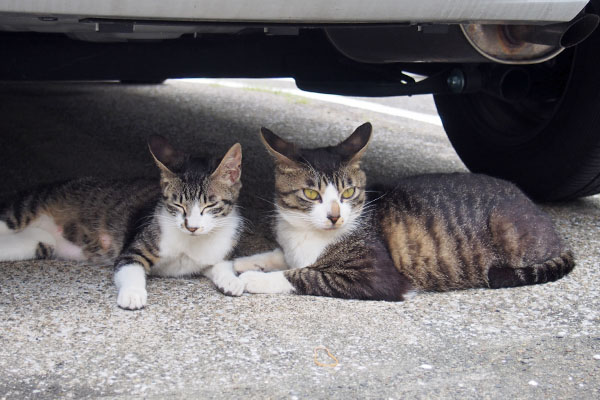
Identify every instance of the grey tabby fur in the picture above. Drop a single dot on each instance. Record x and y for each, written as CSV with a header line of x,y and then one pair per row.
x,y
432,232
154,227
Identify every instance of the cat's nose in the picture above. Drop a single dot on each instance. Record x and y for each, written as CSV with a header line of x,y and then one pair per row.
x,y
333,218
334,213
189,228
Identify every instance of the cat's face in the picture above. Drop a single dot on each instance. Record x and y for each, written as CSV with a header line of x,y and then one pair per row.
x,y
197,194
319,189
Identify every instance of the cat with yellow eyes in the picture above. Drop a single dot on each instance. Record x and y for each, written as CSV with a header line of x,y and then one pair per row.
x,y
429,233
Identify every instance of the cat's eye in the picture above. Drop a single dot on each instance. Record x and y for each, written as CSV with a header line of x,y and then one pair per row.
x,y
207,208
346,194
311,194
182,208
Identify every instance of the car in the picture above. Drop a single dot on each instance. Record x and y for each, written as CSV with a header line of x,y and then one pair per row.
x,y
516,84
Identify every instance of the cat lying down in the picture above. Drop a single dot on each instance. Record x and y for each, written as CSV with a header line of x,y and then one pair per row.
x,y
428,233
186,223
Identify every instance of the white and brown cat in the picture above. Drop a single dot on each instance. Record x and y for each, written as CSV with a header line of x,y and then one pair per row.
x,y
185,224
431,232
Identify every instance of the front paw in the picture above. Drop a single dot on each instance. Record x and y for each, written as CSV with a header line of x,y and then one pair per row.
x,y
230,286
271,282
242,265
132,298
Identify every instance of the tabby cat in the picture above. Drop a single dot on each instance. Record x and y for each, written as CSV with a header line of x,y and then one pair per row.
x,y
429,233
187,223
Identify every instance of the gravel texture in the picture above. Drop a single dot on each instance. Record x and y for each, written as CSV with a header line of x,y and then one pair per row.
x,y
62,335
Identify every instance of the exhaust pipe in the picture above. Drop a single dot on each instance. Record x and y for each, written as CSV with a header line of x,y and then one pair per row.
x,y
528,44
563,35
505,44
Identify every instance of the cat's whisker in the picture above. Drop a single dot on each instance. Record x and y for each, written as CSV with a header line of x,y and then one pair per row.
x,y
374,200
270,212
227,224
167,219
248,228
246,221
271,202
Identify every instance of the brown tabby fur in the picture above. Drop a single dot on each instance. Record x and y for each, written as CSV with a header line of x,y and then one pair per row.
x,y
116,221
89,209
432,232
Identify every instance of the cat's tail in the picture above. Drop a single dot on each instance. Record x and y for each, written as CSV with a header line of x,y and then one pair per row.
x,y
548,271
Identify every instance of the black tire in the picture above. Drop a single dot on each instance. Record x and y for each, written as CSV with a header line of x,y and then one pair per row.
x,y
547,143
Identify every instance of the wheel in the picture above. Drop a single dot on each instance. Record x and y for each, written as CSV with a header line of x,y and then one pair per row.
x,y
548,143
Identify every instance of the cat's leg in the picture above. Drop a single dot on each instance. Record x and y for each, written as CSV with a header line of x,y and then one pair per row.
x,y
224,278
369,284
131,268
365,272
266,282
29,243
21,237
269,261
131,284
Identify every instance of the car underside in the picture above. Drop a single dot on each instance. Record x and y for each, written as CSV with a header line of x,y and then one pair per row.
x,y
515,84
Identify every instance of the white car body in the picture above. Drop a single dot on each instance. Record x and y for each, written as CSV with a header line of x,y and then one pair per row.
x,y
64,15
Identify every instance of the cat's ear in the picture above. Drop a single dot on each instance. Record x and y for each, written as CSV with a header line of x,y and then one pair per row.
x,y
229,170
353,148
166,156
282,150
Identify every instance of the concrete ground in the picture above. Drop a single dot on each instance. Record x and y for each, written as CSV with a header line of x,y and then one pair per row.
x,y
63,336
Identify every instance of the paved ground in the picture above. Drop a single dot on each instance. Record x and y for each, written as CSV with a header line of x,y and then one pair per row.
x,y
62,335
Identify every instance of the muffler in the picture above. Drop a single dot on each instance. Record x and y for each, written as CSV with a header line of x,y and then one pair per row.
x,y
528,44
506,44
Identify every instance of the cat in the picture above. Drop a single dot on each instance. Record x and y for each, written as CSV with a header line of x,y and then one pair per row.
x,y
430,233
187,223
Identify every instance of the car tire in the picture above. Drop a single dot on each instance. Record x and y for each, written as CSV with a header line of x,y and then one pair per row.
x,y
547,143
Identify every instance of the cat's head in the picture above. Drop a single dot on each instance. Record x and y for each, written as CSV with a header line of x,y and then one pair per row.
x,y
199,194
324,188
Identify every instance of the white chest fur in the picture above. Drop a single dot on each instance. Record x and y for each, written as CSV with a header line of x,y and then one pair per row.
x,y
185,254
303,246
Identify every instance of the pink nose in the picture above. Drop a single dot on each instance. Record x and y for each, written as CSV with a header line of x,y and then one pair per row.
x,y
190,229
333,219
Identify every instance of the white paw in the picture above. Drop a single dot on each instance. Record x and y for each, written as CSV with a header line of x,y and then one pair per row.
x,y
230,285
241,265
132,298
271,282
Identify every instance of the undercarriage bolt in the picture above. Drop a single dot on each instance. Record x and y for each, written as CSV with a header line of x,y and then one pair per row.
x,y
456,81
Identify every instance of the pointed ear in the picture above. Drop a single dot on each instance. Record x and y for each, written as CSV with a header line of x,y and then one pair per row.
x,y
355,145
282,150
166,157
229,170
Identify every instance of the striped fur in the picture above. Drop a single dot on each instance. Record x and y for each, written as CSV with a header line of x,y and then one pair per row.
x,y
125,222
547,271
458,231
433,232
44,251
